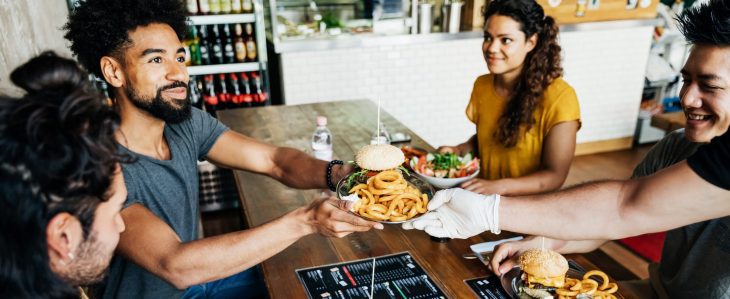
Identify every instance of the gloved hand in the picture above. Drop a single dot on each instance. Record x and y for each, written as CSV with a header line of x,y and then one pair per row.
x,y
457,213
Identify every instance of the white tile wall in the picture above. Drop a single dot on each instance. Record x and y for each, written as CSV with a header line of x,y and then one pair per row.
x,y
606,68
427,86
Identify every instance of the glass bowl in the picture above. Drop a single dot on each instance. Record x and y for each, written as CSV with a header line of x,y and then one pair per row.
x,y
353,179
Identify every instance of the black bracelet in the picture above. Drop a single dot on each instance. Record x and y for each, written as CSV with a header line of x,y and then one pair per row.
x,y
328,175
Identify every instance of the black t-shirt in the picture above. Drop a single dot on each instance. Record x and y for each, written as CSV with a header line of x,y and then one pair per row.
x,y
712,162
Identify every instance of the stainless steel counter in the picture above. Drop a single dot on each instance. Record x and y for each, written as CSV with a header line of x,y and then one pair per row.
x,y
348,41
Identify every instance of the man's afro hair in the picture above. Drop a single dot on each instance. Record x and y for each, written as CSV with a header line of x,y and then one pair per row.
x,y
100,28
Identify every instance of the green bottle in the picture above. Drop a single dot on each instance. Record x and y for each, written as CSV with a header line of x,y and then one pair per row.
x,y
194,44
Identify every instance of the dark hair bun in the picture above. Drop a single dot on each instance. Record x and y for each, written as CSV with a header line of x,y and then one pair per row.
x,y
62,130
49,74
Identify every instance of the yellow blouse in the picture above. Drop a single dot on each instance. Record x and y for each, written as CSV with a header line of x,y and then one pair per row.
x,y
560,104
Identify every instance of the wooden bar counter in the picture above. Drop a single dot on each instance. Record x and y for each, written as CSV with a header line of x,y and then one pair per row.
x,y
352,124
669,121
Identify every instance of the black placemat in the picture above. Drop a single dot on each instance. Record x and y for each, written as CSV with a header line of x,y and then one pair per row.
x,y
487,287
397,276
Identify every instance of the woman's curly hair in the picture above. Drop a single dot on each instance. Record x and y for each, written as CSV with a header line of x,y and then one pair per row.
x,y
99,28
541,66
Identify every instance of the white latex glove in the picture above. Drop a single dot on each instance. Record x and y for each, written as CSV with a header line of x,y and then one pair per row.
x,y
457,213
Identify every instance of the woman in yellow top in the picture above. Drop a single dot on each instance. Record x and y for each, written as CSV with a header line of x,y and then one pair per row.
x,y
526,115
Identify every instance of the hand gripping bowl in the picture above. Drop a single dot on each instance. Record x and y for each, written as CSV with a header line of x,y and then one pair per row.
x,y
346,183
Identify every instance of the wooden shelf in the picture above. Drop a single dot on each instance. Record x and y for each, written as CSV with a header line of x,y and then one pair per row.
x,y
669,121
607,10
223,19
224,68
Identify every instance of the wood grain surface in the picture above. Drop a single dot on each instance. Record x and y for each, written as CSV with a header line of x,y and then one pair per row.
x,y
352,124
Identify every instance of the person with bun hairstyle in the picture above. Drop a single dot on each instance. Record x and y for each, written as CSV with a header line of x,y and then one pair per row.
x,y
526,115
61,189
135,46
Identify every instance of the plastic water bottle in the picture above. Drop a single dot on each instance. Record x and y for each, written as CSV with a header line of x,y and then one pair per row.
x,y
322,140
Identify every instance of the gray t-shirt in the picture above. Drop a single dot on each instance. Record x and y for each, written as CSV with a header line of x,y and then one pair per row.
x,y
696,258
168,188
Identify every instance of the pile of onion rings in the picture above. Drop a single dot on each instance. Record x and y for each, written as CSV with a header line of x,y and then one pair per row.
x,y
388,197
588,286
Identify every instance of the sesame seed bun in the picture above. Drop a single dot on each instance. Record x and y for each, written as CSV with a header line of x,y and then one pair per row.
x,y
379,157
543,263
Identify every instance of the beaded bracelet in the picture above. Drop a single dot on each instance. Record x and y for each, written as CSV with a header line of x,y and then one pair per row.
x,y
328,175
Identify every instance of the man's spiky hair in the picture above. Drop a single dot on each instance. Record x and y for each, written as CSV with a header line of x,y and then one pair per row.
x,y
707,24
100,28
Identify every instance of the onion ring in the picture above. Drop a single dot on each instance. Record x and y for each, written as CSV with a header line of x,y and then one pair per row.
x,y
387,196
600,274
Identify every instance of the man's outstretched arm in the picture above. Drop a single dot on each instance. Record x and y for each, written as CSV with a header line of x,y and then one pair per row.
x,y
670,198
149,242
607,210
292,167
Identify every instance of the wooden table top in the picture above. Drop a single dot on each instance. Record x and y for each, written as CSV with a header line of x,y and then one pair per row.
x,y
352,123
669,121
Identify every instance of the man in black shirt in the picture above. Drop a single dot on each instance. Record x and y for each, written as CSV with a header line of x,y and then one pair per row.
x,y
712,162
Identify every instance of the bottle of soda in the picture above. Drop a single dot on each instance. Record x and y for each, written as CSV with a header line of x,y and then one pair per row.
x,y
194,91
322,140
236,6
223,95
217,45
225,7
186,46
215,6
210,99
246,96
250,43
193,43
235,90
259,95
229,54
204,46
203,7
247,6
239,44
192,7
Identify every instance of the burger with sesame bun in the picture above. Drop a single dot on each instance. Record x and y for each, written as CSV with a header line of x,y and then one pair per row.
x,y
379,157
543,271
383,190
374,158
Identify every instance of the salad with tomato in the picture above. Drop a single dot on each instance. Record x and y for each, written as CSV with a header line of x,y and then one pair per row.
x,y
446,165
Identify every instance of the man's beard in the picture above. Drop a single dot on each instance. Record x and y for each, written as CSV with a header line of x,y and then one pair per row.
x,y
160,108
90,262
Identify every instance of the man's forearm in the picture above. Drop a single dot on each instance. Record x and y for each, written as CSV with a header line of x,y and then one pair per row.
x,y
668,199
538,182
590,211
562,246
568,247
298,170
222,256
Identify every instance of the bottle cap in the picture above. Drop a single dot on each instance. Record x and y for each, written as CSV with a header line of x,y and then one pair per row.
x,y
321,120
